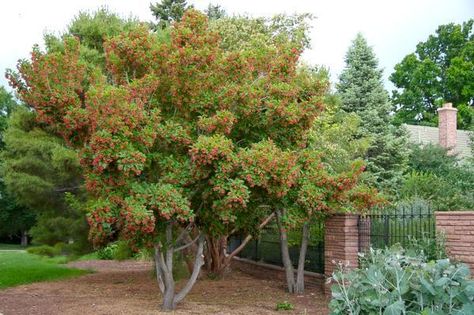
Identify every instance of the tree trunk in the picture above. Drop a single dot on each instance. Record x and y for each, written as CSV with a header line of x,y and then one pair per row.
x,y
216,250
24,239
304,246
164,270
218,260
285,254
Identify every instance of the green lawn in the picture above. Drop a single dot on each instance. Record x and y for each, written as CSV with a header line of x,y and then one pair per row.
x,y
11,247
22,268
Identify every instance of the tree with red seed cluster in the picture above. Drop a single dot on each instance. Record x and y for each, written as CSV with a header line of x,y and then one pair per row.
x,y
185,134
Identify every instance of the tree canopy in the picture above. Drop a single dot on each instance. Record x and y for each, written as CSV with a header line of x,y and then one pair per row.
x,y
440,70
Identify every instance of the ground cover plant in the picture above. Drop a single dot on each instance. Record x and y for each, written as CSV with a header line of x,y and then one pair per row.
x,y
392,281
19,267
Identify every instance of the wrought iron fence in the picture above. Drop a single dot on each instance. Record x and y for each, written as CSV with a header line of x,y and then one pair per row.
x,y
267,248
391,225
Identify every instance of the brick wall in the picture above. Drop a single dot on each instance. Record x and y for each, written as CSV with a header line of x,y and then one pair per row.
x,y
458,227
341,242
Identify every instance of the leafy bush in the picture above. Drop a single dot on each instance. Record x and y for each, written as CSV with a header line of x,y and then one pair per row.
x,y
107,253
392,282
284,306
44,250
439,178
427,247
119,250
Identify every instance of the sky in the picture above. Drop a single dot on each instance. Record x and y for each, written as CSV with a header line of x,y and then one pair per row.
x,y
392,28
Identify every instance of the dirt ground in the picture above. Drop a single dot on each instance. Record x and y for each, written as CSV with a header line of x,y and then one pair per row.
x,y
129,288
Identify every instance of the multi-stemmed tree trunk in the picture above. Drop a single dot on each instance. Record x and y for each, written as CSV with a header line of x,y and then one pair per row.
x,y
294,285
164,268
218,260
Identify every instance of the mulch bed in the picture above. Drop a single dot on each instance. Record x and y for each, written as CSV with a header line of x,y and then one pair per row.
x,y
130,288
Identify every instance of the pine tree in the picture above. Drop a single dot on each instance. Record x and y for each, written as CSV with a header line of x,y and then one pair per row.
x,y
361,91
168,11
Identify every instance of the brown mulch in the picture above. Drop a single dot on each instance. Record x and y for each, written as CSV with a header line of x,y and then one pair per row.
x,y
130,288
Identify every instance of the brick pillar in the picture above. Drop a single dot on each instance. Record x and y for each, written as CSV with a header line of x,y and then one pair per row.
x,y
447,127
458,229
341,243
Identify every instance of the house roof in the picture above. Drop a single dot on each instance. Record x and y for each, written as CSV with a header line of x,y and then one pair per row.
x,y
425,135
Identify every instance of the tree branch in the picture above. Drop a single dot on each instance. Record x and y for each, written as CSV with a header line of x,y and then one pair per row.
x,y
249,237
198,262
185,230
186,245
159,274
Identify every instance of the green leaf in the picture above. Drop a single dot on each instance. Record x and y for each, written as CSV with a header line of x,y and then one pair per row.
x,y
395,309
427,286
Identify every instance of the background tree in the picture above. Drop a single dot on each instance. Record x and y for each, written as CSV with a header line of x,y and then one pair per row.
x,y
15,220
168,11
215,11
38,169
440,70
361,91
439,178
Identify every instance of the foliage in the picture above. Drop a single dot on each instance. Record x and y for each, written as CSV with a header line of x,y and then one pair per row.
x,y
7,105
38,170
169,11
119,250
430,248
392,282
439,178
43,250
14,218
361,91
249,33
107,252
440,70
337,134
284,306
215,11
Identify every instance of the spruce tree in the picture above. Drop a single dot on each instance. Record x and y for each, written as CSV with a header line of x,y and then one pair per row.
x,y
361,91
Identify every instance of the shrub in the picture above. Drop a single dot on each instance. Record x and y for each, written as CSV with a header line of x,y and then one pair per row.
x,y
44,250
427,247
119,250
284,306
107,253
392,282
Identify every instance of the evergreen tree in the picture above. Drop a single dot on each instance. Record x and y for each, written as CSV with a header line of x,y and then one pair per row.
x,y
215,11
38,170
168,11
15,220
361,92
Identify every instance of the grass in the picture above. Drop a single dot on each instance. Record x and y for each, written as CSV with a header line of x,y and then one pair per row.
x,y
12,247
23,268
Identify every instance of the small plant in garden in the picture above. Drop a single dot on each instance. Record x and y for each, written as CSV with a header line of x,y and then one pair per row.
x,y
431,248
284,306
107,253
392,282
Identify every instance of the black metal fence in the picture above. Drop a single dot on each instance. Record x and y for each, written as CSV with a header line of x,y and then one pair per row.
x,y
388,226
267,248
